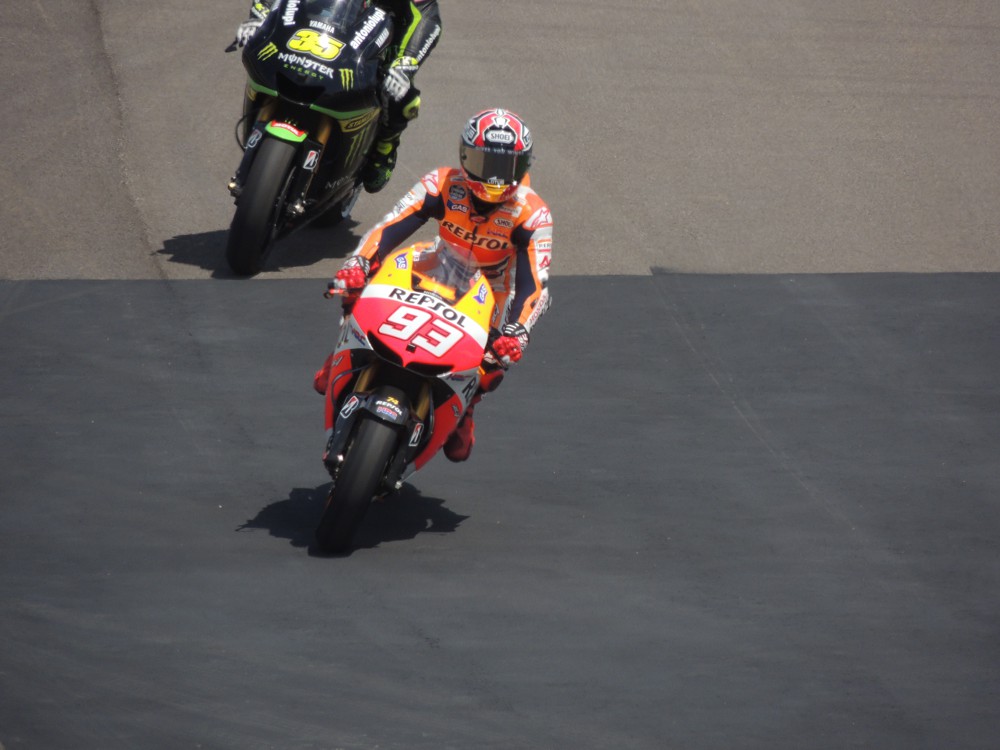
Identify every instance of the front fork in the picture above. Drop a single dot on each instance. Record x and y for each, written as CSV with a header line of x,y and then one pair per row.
x,y
261,113
389,405
257,111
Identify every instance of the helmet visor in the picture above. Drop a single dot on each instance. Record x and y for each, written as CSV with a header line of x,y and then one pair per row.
x,y
495,166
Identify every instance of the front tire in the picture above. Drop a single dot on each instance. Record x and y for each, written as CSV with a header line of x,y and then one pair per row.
x,y
255,223
359,479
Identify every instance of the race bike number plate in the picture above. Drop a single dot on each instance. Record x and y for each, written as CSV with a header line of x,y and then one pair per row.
x,y
420,328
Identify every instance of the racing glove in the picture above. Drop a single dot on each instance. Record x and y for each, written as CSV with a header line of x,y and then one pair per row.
x,y
399,79
512,342
351,278
246,30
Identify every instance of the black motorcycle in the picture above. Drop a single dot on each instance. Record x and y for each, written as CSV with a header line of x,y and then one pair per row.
x,y
311,113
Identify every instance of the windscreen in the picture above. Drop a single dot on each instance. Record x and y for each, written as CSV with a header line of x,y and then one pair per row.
x,y
340,13
449,266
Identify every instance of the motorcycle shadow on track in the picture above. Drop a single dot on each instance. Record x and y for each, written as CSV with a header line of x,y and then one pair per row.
x,y
399,517
304,248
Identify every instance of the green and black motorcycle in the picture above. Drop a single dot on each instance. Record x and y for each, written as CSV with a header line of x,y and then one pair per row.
x,y
311,113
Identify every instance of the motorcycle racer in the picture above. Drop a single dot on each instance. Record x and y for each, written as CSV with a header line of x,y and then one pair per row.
x,y
487,208
416,31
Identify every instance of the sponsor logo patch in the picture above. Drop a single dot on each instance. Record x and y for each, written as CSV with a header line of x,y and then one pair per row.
x,y
278,125
389,410
349,408
431,184
500,136
357,123
474,240
370,25
541,218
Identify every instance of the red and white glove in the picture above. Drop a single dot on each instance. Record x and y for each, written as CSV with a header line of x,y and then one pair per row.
x,y
510,346
352,276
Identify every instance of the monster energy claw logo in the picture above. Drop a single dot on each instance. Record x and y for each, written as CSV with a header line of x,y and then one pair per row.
x,y
355,148
346,78
269,51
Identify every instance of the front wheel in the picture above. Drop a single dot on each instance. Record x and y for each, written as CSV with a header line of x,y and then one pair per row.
x,y
359,479
255,223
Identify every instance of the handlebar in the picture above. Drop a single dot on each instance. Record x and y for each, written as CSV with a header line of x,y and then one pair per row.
x,y
498,361
334,291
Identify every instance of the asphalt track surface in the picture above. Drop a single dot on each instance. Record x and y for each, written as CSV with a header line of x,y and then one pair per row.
x,y
741,493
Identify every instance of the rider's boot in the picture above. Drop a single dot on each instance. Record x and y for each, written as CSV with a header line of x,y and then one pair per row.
x,y
381,161
322,377
460,442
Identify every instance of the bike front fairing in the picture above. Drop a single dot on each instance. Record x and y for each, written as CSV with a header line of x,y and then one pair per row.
x,y
321,54
425,315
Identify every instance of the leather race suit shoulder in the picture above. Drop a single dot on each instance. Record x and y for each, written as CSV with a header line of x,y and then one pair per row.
x,y
417,27
513,243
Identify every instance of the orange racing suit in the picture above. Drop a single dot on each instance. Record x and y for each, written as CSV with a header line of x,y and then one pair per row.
x,y
512,243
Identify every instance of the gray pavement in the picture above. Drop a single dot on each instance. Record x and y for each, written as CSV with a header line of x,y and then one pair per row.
x,y
740,494
765,520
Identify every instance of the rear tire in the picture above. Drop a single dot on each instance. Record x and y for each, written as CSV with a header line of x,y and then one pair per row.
x,y
254,226
359,479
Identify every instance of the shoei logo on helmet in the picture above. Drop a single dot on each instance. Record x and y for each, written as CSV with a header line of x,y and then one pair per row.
x,y
504,137
498,127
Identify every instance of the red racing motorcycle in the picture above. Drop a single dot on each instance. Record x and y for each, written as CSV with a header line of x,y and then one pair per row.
x,y
414,349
